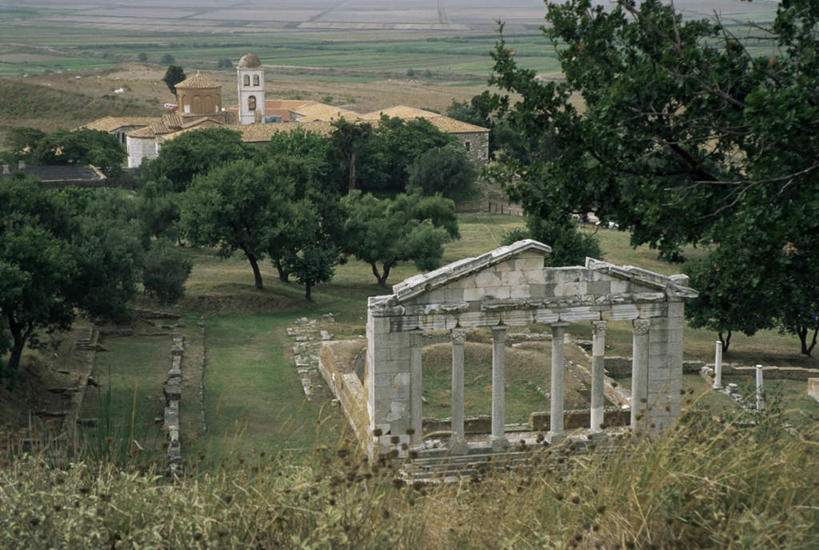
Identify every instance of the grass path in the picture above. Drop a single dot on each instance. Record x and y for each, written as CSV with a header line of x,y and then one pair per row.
x,y
253,397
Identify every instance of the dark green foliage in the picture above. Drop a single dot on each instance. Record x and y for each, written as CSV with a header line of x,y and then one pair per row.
x,y
377,158
142,56
194,153
314,263
168,59
173,75
61,253
237,207
407,228
79,147
445,170
164,272
735,294
685,139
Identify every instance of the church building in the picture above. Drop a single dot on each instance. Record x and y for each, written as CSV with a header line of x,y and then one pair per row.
x,y
200,106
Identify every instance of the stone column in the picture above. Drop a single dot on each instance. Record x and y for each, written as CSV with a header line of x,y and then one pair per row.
x,y
639,370
458,442
556,397
760,392
597,380
718,366
498,438
416,385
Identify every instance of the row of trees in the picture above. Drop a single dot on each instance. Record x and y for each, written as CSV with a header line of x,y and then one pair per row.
x,y
89,252
290,203
686,138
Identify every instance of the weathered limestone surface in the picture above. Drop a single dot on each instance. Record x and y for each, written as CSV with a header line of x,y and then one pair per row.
x,y
510,286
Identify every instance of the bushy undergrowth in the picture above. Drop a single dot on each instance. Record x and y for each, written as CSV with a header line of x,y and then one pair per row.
x,y
705,484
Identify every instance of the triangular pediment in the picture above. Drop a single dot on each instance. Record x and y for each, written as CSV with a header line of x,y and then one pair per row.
x,y
427,282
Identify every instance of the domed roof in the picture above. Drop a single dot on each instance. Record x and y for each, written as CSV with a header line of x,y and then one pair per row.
x,y
250,61
197,81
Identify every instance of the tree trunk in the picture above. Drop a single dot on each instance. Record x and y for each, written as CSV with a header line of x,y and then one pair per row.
x,y
381,278
257,275
351,183
307,295
726,341
284,276
19,339
803,332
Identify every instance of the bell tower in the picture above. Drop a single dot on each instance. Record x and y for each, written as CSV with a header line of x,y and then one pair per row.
x,y
250,77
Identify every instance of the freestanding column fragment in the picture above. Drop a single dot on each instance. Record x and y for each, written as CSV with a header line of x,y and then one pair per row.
x,y
458,441
718,366
556,397
597,381
498,398
416,385
760,392
639,370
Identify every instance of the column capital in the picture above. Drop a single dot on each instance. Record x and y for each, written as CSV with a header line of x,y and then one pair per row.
x,y
499,331
458,335
641,326
559,324
599,327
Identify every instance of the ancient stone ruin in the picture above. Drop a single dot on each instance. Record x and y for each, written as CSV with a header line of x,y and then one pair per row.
x,y
510,287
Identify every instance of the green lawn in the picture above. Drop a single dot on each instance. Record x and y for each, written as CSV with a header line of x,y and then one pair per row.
x,y
253,396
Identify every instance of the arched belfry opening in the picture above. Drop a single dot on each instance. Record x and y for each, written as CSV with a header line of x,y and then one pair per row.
x,y
510,287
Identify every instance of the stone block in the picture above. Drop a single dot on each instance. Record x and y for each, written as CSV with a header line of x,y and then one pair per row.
x,y
620,312
578,314
520,291
473,294
529,263
454,295
619,286
537,290
570,289
599,288
499,292
546,316
813,388
487,279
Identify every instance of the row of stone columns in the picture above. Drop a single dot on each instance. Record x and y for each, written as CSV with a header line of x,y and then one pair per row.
x,y
556,429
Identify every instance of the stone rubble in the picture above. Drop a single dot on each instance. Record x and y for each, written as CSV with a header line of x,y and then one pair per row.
x,y
307,338
173,395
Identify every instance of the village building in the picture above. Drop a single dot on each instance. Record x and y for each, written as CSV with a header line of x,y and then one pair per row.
x,y
58,176
200,106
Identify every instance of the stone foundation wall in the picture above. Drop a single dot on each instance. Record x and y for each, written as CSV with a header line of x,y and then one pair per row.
x,y
573,420
337,360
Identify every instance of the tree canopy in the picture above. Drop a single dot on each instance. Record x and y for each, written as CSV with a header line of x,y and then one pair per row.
x,y
61,253
173,75
382,232
194,153
685,137
236,206
445,170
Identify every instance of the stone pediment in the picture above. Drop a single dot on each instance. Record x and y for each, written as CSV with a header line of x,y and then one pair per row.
x,y
514,278
412,287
